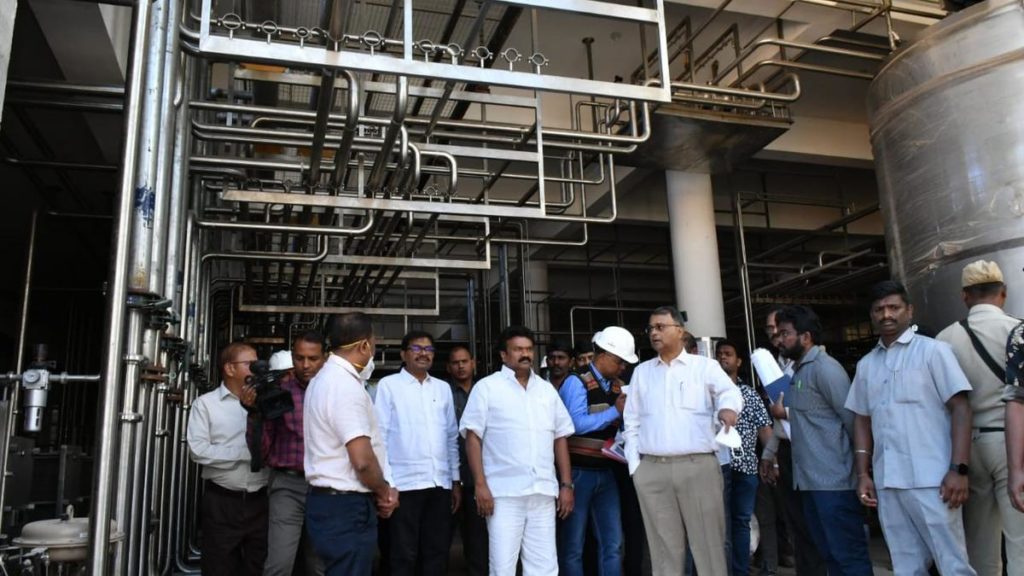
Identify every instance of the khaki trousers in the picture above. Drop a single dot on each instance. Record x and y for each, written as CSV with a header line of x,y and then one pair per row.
x,y
681,501
988,513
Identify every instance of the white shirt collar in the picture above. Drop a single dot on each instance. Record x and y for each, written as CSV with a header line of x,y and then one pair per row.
x,y
511,375
413,378
344,364
681,358
223,392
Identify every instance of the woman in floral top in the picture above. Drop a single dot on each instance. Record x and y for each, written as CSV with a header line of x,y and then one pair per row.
x,y
753,422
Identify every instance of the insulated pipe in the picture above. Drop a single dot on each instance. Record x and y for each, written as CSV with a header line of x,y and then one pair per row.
x,y
179,200
166,140
108,435
148,152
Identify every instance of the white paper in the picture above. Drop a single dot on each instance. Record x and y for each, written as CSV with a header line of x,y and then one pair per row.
x,y
766,366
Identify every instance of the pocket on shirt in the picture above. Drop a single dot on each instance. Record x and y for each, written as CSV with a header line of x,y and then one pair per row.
x,y
692,397
909,386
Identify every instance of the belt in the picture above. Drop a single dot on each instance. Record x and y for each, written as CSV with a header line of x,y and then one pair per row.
x,y
241,494
290,472
679,458
328,491
990,430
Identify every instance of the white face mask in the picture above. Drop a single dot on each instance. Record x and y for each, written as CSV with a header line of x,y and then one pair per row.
x,y
367,371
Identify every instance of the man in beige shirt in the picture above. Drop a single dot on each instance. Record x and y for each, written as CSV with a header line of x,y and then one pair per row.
x,y
988,510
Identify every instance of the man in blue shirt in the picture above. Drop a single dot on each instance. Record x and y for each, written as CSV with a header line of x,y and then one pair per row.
x,y
595,401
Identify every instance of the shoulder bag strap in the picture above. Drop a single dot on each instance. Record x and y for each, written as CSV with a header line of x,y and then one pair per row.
x,y
999,371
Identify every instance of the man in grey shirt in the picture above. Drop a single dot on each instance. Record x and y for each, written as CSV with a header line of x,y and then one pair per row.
x,y
822,444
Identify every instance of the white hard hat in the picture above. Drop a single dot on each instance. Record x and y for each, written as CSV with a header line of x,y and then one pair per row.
x,y
281,360
617,341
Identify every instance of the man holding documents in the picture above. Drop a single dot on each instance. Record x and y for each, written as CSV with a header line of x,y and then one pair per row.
x,y
595,403
671,409
822,444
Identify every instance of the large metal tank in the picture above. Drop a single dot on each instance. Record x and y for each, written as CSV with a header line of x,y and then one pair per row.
x,y
947,128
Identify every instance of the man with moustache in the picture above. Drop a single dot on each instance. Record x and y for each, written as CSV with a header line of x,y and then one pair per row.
x,y
417,425
777,471
283,450
671,408
823,443
912,439
461,369
516,427
346,461
560,362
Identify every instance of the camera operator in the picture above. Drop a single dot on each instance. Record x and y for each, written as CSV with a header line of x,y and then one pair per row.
x,y
282,450
234,507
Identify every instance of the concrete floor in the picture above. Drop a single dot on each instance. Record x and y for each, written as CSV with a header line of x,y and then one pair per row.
x,y
879,559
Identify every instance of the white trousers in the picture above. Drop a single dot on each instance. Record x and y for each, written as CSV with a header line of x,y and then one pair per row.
x,y
526,525
919,529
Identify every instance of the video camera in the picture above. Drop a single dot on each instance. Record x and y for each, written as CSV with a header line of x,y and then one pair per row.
x,y
271,401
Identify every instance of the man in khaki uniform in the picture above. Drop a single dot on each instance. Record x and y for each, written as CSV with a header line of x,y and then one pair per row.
x,y
982,358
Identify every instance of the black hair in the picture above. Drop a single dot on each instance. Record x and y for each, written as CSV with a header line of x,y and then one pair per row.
x,y
460,346
803,320
311,336
887,288
730,344
672,311
582,347
985,290
514,332
349,328
561,345
689,343
415,335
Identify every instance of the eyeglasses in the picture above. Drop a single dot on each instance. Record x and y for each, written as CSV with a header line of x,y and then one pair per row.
x,y
658,328
417,348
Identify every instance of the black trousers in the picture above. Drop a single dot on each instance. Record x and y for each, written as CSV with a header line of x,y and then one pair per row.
x,y
808,561
421,530
473,527
234,529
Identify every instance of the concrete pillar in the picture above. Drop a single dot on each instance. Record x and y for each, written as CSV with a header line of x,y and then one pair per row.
x,y
538,318
691,216
8,8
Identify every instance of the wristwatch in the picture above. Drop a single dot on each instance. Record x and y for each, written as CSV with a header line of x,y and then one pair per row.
x,y
568,485
960,469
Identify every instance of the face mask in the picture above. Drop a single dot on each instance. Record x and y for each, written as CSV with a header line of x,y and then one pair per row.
x,y
367,371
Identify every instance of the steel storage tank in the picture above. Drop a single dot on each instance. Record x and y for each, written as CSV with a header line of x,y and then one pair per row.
x,y
947,129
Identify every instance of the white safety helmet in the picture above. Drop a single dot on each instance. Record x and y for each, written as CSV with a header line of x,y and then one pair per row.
x,y
617,341
281,360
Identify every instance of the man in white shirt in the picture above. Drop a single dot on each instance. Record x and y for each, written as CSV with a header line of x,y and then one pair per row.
x,y
346,462
516,427
417,425
673,403
988,513
234,508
